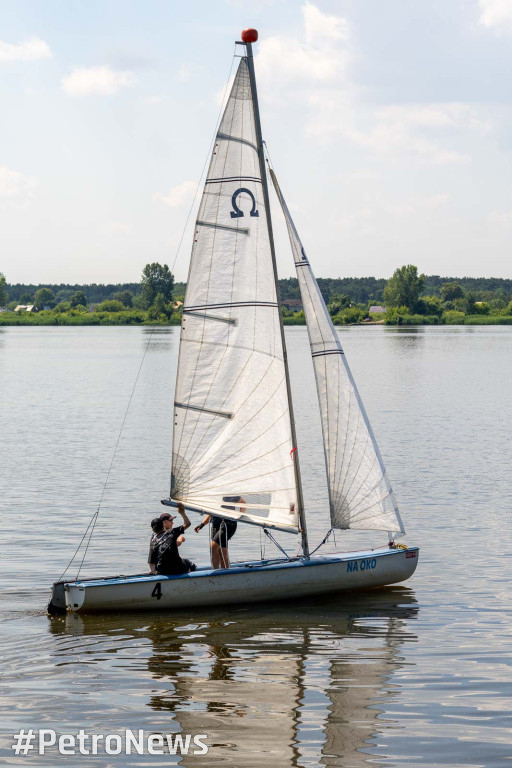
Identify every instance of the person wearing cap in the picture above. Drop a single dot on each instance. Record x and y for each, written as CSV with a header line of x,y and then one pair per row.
x,y
222,531
165,557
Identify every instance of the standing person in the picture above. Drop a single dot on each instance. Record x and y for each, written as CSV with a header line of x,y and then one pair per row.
x,y
168,560
222,531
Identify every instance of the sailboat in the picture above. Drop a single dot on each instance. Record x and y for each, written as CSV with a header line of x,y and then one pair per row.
x,y
234,444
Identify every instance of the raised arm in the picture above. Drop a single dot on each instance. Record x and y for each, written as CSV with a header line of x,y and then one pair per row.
x,y
181,510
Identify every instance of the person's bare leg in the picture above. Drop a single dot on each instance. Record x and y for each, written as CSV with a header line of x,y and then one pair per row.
x,y
216,555
224,557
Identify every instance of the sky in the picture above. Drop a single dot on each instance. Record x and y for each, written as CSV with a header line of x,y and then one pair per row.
x,y
389,125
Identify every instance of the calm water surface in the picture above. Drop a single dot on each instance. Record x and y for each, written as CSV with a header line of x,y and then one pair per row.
x,y
417,675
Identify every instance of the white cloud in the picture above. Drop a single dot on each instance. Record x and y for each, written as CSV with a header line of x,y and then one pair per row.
x,y
495,13
103,81
318,57
15,187
319,26
396,130
310,75
181,194
29,50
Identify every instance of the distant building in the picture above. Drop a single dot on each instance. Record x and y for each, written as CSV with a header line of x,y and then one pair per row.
x,y
25,308
376,309
177,304
294,304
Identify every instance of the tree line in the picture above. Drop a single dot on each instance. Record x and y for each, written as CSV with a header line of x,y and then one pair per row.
x,y
409,297
360,290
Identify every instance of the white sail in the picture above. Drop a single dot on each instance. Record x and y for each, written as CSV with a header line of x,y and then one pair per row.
x,y
232,431
359,491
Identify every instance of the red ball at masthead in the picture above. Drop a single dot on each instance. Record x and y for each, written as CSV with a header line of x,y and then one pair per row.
x,y
249,35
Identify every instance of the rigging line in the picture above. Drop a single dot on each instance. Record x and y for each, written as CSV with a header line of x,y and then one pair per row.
x,y
77,549
220,119
205,162
309,287
331,530
96,515
285,553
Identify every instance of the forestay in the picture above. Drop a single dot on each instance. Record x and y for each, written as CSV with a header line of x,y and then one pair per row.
x,y
232,435
359,491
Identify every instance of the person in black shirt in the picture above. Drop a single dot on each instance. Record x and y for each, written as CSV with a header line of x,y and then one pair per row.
x,y
222,531
168,560
158,531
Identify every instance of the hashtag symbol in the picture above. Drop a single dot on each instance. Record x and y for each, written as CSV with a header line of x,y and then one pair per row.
x,y
24,742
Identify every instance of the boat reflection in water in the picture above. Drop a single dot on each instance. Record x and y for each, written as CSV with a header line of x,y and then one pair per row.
x,y
286,686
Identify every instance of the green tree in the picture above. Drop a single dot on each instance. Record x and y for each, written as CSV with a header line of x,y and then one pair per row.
x,y
470,304
3,292
156,279
337,303
63,306
159,307
429,305
110,305
44,297
451,291
78,299
125,297
404,288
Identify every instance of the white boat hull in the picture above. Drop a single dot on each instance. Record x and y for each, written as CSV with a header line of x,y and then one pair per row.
x,y
243,583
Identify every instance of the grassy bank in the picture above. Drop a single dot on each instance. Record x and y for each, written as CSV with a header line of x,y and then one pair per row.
x,y
130,317
139,317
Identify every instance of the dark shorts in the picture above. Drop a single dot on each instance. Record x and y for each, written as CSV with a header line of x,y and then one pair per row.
x,y
224,533
184,567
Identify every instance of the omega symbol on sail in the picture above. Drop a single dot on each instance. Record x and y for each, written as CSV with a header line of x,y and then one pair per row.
x,y
236,213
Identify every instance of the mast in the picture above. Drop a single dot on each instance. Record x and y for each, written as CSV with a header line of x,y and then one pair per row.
x,y
249,36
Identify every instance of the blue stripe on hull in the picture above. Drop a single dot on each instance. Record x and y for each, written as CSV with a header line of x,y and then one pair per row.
x,y
266,566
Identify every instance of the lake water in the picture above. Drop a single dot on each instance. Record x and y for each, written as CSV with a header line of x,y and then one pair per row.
x,y
415,675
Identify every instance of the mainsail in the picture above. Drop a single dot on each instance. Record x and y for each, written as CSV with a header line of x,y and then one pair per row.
x,y
360,494
232,447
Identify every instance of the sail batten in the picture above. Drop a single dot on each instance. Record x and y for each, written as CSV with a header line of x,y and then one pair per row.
x,y
232,430
360,495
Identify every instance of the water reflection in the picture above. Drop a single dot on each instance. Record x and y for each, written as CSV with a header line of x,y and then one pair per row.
x,y
293,686
163,339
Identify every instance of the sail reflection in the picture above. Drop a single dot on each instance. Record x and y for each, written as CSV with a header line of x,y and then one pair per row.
x,y
301,685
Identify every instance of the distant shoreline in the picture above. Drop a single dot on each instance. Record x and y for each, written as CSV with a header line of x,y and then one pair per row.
x,y
17,322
